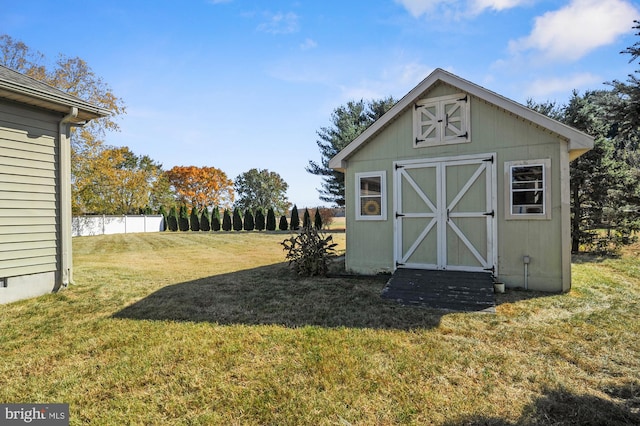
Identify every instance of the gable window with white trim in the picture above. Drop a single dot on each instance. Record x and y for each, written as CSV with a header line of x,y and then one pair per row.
x,y
441,121
528,187
371,196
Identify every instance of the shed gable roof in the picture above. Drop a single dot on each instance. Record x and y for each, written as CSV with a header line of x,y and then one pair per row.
x,y
578,142
23,89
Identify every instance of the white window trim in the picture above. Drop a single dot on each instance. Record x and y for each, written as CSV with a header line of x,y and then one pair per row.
x,y
439,103
383,195
546,201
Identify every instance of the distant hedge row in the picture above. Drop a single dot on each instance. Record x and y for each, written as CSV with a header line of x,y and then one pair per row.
x,y
182,220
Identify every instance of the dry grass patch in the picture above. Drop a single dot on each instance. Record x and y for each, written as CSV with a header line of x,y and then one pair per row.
x,y
182,328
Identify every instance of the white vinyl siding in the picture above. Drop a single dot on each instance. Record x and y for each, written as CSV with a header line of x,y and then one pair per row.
x,y
28,192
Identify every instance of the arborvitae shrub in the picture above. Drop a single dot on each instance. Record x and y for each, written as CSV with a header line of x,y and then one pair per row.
x,y
226,221
271,220
163,212
237,220
306,219
283,225
183,219
194,221
215,219
295,219
172,219
317,220
205,221
259,220
248,221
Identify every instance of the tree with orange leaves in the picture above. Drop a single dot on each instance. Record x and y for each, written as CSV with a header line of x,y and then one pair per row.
x,y
201,187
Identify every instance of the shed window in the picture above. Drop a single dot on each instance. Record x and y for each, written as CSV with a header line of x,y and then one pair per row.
x,y
528,189
371,195
442,120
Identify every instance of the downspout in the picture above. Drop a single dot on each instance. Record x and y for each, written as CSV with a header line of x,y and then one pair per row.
x,y
65,276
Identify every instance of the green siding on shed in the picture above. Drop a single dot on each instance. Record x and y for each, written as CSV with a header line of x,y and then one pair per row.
x,y
370,244
28,191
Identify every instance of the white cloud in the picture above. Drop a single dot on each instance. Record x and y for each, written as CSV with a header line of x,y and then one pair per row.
x,y
543,88
308,44
578,28
477,6
458,8
418,8
280,23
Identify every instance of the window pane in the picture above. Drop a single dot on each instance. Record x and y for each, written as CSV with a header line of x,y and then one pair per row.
x,y
370,185
527,197
526,174
370,206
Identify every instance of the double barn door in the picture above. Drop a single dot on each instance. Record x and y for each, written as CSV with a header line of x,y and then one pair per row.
x,y
445,213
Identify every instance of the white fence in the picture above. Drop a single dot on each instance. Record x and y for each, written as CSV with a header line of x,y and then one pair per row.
x,y
83,226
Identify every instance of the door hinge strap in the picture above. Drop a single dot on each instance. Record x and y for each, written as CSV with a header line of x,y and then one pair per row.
x,y
463,99
490,159
492,213
466,135
399,215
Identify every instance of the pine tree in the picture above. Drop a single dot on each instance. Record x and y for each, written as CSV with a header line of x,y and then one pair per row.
x,y
226,221
306,219
283,225
271,220
259,220
172,219
237,220
183,219
317,220
249,224
295,219
215,219
205,220
194,222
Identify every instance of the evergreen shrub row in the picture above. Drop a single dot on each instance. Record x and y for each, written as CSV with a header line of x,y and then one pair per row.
x,y
182,220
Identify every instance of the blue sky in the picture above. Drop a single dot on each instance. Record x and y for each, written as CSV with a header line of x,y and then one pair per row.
x,y
241,84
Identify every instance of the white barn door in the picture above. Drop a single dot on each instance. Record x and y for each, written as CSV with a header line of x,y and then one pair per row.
x,y
445,213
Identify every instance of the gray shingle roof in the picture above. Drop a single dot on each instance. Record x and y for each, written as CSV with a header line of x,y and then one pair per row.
x,y
23,89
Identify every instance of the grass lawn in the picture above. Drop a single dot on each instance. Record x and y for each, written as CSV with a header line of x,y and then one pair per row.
x,y
184,328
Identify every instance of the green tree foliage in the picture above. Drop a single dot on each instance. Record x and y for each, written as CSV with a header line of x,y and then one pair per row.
x,y
249,223
295,219
260,220
205,220
624,109
226,221
283,225
260,189
317,220
603,186
163,212
172,219
183,218
271,220
115,181
306,219
237,220
216,223
194,220
347,123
